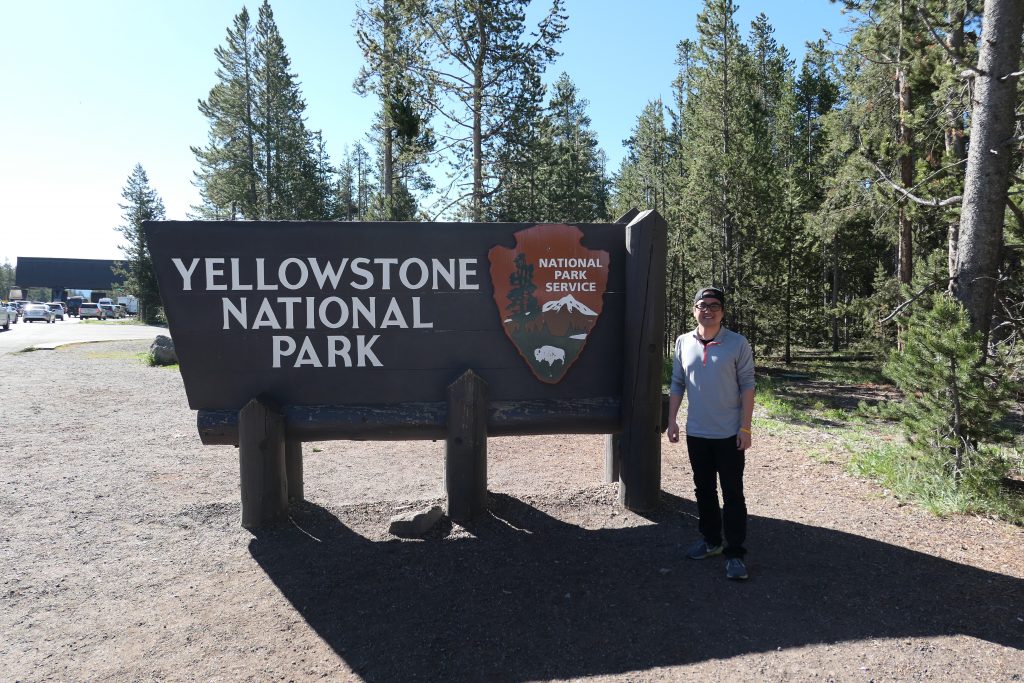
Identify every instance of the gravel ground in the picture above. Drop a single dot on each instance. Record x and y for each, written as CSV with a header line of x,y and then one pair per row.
x,y
122,559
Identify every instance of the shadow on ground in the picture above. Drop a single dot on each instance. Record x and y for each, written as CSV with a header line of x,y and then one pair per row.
x,y
531,597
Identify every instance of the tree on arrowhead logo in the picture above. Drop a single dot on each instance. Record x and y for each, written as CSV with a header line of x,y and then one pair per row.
x,y
549,290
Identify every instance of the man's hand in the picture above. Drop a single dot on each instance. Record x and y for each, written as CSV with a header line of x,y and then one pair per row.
x,y
673,431
743,440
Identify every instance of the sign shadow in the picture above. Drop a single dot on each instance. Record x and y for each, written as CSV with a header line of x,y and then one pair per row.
x,y
529,597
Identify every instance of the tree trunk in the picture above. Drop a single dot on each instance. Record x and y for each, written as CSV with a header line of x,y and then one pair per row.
x,y
906,160
250,212
954,136
478,97
834,299
389,169
988,161
788,355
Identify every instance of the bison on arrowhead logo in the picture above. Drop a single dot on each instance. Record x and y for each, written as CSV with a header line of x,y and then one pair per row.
x,y
549,290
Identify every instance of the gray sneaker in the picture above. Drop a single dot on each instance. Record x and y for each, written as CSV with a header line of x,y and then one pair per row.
x,y
735,569
702,549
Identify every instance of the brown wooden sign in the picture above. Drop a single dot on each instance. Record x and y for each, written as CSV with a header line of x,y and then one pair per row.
x,y
307,331
549,290
333,314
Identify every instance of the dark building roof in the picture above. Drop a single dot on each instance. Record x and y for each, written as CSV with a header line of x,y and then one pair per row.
x,y
66,273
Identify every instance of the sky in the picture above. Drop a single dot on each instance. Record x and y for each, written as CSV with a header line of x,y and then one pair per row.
x,y
92,88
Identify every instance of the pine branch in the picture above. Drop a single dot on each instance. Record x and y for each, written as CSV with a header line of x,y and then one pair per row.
x,y
953,57
1018,214
949,201
899,309
450,205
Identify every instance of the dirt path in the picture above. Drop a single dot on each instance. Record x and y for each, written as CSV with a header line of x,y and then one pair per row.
x,y
122,559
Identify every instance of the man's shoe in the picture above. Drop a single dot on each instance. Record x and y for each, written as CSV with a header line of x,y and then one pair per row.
x,y
735,569
702,549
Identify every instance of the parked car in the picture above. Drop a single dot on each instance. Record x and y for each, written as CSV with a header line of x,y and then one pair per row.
x,y
34,312
6,316
58,310
91,310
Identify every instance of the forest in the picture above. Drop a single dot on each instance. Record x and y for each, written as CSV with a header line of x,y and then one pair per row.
x,y
866,199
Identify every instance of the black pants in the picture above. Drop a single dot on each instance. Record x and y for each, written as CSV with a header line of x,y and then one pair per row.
x,y
719,459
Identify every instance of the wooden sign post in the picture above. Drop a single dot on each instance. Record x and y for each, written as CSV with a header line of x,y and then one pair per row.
x,y
293,331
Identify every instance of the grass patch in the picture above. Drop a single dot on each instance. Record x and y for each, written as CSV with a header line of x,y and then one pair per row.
x,y
912,477
841,368
149,359
119,321
767,396
817,405
117,355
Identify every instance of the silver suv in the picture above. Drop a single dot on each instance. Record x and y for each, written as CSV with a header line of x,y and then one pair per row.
x,y
91,310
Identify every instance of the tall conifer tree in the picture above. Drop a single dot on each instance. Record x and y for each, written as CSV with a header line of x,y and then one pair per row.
x,y
260,161
384,31
483,66
142,203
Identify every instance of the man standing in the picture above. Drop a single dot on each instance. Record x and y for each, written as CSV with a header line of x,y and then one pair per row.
x,y
716,367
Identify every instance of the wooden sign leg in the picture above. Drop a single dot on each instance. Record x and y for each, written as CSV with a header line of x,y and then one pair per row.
x,y
261,463
465,458
612,454
293,468
640,463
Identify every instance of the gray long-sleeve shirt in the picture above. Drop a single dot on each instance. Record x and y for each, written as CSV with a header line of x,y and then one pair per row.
x,y
714,376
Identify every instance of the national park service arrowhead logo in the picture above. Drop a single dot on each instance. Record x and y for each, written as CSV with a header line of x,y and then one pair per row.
x,y
549,290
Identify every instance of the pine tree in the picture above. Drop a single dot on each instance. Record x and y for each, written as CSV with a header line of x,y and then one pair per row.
x,y
227,178
7,279
951,407
576,185
522,167
142,203
720,143
643,178
402,131
555,170
483,72
260,161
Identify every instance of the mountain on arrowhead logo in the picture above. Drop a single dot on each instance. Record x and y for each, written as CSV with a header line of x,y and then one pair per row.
x,y
549,290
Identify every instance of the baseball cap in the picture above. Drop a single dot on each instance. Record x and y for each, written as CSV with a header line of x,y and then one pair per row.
x,y
709,293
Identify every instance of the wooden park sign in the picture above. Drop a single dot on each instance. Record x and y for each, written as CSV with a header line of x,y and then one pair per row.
x,y
307,331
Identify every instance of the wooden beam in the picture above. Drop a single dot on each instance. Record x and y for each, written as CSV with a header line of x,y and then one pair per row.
x,y
415,421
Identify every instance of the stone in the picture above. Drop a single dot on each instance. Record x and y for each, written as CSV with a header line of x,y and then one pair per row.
x,y
416,523
162,350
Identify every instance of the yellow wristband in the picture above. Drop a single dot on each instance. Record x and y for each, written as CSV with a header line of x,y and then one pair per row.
x,y
744,429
